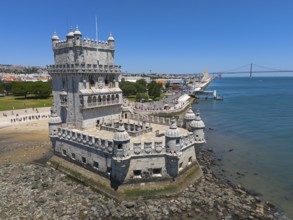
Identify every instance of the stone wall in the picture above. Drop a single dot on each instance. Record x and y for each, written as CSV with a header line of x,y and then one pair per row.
x,y
145,160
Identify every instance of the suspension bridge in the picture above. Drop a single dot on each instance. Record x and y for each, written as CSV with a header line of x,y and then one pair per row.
x,y
250,69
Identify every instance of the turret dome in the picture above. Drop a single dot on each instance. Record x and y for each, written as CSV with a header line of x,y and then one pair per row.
x,y
173,131
111,38
77,32
189,115
55,120
197,123
55,37
70,33
121,134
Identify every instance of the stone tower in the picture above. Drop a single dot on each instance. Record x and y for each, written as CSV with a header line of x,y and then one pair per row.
x,y
85,80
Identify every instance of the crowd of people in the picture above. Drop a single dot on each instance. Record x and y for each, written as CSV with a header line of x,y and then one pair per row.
x,y
23,115
28,118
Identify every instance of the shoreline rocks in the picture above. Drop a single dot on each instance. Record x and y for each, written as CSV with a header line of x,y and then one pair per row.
x,y
30,191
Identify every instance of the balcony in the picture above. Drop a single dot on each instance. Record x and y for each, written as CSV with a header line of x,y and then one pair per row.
x,y
101,104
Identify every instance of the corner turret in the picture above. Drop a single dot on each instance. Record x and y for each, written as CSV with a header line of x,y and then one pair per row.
x,y
69,37
121,142
197,126
77,37
55,39
189,116
172,138
111,41
54,122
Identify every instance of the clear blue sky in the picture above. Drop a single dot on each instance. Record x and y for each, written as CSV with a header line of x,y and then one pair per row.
x,y
167,36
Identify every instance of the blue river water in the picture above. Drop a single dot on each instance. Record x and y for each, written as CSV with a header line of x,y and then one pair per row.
x,y
251,131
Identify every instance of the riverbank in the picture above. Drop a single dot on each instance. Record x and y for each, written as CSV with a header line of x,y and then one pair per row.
x,y
32,191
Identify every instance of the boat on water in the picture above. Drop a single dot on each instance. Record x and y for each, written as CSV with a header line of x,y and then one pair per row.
x,y
220,98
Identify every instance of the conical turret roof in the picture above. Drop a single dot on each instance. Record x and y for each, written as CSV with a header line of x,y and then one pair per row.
x,y
173,131
189,114
197,122
121,134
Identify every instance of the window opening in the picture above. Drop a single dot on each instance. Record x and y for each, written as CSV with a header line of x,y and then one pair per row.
x,y
96,165
157,171
137,172
189,160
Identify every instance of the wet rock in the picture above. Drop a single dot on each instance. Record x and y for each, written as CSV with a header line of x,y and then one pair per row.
x,y
48,194
128,204
210,150
41,200
45,184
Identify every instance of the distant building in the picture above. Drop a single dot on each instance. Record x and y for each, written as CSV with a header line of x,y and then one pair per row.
x,y
134,78
173,83
88,127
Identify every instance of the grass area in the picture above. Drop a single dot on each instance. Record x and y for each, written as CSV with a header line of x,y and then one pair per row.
x,y
19,102
131,98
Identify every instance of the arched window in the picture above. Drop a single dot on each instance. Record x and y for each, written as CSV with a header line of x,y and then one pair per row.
x,y
104,99
95,99
89,99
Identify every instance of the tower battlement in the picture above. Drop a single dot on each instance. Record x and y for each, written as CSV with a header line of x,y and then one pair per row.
x,y
74,49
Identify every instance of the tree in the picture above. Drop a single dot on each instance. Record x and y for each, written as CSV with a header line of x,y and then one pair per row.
x,y
140,88
154,90
21,88
8,87
42,89
39,89
128,88
141,82
1,87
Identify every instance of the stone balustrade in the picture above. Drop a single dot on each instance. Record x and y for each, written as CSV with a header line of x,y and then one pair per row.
x,y
102,103
86,68
154,119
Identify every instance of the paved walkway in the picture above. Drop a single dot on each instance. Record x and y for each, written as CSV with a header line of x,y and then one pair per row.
x,y
12,117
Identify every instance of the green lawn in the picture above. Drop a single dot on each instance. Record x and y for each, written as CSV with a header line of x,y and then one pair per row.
x,y
19,102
